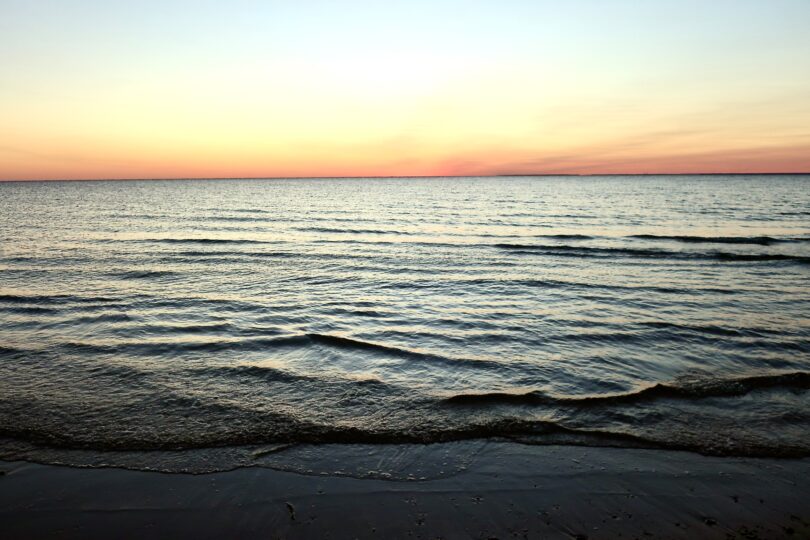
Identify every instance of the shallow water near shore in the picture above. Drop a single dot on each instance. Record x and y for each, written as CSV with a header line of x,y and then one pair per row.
x,y
229,321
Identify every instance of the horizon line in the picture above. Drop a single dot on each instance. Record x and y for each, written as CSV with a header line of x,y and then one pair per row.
x,y
180,178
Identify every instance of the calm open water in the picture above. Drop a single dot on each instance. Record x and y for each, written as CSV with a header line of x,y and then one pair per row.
x,y
177,315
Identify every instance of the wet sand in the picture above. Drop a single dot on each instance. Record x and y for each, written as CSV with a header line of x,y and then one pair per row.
x,y
506,490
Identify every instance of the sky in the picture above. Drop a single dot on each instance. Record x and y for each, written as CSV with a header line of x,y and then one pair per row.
x,y
182,89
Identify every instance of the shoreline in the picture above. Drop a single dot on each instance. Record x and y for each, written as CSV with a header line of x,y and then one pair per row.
x,y
469,490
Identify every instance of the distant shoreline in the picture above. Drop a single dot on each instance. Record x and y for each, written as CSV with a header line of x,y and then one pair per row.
x,y
541,175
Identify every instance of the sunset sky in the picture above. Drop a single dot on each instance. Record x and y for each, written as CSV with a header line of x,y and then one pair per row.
x,y
169,88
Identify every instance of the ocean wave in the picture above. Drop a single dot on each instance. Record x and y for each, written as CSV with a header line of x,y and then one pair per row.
x,y
219,255
565,236
266,373
350,231
283,428
240,219
276,374
205,241
53,299
753,240
29,310
92,319
232,255
23,259
344,342
174,347
287,430
562,284
684,389
243,210
517,284
250,343
436,244
203,328
578,251
143,274
710,329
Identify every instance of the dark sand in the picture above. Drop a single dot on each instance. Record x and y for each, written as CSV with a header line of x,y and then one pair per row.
x,y
505,490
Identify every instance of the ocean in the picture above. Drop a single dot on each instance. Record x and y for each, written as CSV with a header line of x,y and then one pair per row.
x,y
209,324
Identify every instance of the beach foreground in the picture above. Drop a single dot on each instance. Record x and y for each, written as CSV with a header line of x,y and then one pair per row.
x,y
504,490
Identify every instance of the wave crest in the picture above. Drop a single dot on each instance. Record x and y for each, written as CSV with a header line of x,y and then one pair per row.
x,y
700,388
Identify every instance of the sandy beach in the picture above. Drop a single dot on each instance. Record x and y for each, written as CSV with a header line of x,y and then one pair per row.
x,y
504,490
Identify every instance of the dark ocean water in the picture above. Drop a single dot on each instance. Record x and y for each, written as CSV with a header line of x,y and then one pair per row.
x,y
178,316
